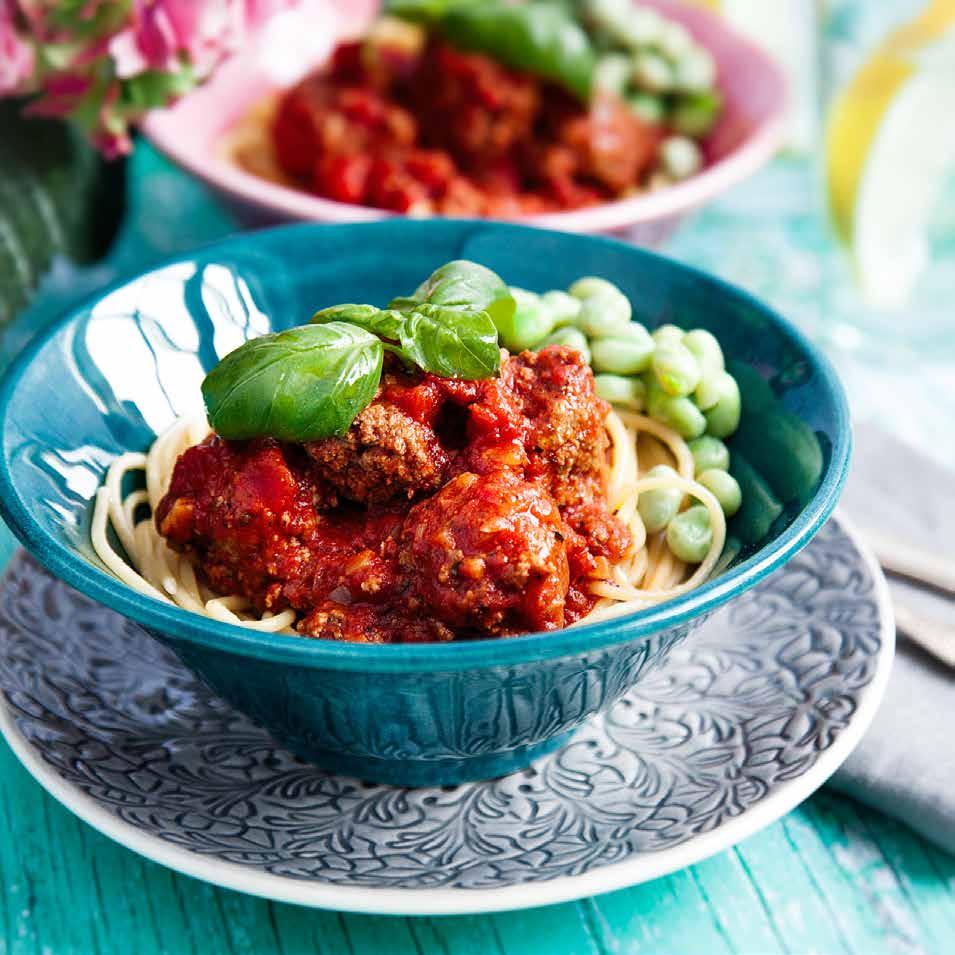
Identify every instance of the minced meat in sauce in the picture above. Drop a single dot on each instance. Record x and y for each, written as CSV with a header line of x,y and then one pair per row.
x,y
438,130
450,509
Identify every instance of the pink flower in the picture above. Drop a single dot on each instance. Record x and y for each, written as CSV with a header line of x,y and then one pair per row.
x,y
16,54
161,32
61,95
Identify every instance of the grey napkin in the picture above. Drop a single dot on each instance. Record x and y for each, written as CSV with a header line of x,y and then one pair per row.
x,y
905,764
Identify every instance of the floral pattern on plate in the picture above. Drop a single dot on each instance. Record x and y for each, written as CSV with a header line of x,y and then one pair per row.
x,y
747,705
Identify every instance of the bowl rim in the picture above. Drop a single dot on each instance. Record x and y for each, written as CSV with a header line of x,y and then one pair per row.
x,y
183,625
762,141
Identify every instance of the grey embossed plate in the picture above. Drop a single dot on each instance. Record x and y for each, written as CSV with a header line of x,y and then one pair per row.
x,y
748,717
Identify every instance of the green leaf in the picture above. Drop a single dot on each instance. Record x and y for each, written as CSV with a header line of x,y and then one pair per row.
x,y
57,197
300,385
423,11
541,38
382,322
466,284
451,341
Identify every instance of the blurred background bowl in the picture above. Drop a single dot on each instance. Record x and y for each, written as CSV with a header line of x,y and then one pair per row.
x,y
191,133
118,370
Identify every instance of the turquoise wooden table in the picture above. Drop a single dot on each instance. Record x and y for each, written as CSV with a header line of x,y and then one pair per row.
x,y
832,876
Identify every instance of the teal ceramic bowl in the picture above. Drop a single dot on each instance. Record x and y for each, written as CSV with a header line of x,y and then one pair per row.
x,y
117,370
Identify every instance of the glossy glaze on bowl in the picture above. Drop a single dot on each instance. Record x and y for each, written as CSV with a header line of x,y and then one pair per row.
x,y
750,129
116,371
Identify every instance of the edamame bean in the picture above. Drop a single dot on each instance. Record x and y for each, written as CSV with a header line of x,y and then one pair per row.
x,y
695,115
530,324
709,453
680,157
591,285
604,314
651,72
658,507
612,73
677,413
607,14
710,357
722,419
622,391
725,489
569,337
689,535
676,369
626,354
666,334
674,41
694,71
563,308
642,27
705,347
648,107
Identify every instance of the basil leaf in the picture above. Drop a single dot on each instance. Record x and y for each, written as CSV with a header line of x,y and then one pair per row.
x,y
466,284
382,322
451,341
422,11
541,38
300,385
404,303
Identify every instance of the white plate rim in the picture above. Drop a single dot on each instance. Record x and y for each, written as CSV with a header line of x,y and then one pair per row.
x,y
449,901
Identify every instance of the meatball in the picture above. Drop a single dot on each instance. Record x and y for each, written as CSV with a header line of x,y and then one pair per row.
x,y
386,454
472,106
242,511
488,554
611,144
567,440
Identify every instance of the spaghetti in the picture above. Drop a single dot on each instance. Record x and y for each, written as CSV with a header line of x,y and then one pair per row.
x,y
647,574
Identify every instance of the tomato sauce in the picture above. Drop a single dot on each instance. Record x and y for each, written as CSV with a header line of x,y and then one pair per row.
x,y
451,509
437,130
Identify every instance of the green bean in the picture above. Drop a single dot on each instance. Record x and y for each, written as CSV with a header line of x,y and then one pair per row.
x,y
696,113
648,107
622,391
680,157
569,337
563,308
676,369
612,73
591,285
658,507
689,535
722,419
694,71
530,324
710,357
625,354
604,314
708,453
677,413
666,334
725,489
652,73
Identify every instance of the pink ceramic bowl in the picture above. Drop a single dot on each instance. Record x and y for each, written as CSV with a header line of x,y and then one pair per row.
x,y
191,132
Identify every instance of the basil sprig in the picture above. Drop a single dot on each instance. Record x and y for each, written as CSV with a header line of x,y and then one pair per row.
x,y
539,37
310,382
